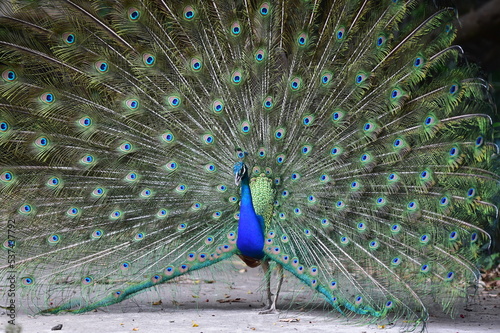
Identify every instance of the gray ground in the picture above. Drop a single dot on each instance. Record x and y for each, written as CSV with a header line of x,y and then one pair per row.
x,y
230,303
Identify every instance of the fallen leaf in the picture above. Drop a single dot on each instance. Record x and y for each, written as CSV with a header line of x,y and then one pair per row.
x,y
290,320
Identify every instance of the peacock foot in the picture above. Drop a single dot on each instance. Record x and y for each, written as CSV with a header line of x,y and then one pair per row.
x,y
269,311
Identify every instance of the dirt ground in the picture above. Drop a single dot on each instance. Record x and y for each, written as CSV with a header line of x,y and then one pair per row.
x,y
230,303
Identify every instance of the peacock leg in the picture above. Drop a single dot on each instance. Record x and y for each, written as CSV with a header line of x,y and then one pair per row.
x,y
271,309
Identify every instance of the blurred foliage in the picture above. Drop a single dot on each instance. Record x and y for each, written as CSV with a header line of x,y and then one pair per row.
x,y
479,36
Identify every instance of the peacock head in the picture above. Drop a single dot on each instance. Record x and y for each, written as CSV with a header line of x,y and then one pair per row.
x,y
240,172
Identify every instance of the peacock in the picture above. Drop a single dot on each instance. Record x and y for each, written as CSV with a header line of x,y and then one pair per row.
x,y
347,143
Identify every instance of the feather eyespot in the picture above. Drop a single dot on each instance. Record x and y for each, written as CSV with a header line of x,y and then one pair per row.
x,y
268,102
236,77
189,13
395,228
4,126
302,39
361,226
326,78
412,205
333,285
171,166
474,237
396,261
381,41
430,120
134,14
96,234
162,213
418,62
260,55
47,98
264,9
296,83
444,201
424,239
169,270
115,214
335,151
210,167
73,211
196,64
337,115
54,239
26,209
425,175
27,281
8,176
87,280
235,29
368,127
365,158
340,34
148,59
85,121
125,147
208,139
217,106
68,38
174,101
308,120
245,127
146,193
398,143
98,192
101,66
360,78
87,159
132,104
9,75
279,133
42,142
306,149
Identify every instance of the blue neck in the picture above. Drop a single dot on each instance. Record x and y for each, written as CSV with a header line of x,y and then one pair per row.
x,y
250,226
